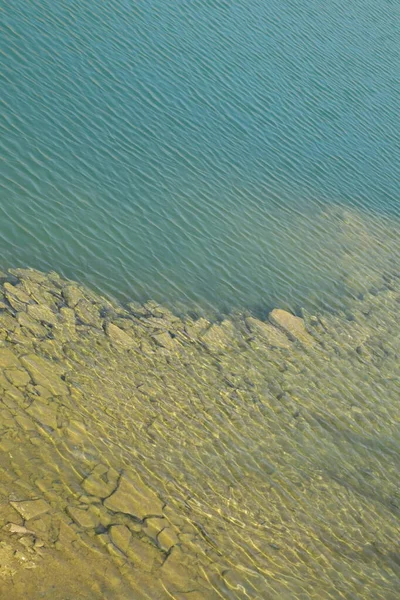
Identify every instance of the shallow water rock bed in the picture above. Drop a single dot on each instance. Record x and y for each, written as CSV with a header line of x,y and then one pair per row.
x,y
146,455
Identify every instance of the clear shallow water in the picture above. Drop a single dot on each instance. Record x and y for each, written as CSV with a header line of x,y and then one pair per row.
x,y
148,456
184,151
215,156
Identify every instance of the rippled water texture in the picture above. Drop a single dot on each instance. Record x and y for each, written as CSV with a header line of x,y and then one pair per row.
x,y
184,151
237,160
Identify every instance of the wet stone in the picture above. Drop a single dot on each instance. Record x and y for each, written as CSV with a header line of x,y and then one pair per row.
x,y
8,359
195,329
272,336
18,529
88,314
42,314
119,337
154,526
83,517
134,498
72,295
29,274
293,326
8,325
218,337
175,573
46,414
16,296
39,294
101,482
167,538
144,555
120,537
18,377
165,341
45,373
29,509
25,423
35,328
67,315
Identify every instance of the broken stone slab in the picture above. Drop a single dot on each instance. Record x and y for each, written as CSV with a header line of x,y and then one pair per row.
x,y
16,296
8,359
67,315
293,326
165,340
88,314
17,377
119,337
37,292
272,336
46,414
144,555
83,517
29,509
120,537
45,373
175,572
34,328
8,323
72,295
134,498
154,525
218,337
167,538
195,329
101,482
19,529
42,314
30,274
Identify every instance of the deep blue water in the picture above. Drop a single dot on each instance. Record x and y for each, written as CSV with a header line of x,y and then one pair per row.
x,y
183,150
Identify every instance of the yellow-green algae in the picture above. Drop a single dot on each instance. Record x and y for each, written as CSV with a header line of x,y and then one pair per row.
x,y
145,455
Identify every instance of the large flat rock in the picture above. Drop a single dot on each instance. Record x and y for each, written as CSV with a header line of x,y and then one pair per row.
x,y
8,359
293,326
134,498
268,333
45,373
29,509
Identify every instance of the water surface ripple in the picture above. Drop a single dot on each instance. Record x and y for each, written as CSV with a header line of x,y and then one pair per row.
x,y
188,151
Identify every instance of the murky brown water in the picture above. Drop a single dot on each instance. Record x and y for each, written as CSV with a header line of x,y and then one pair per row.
x,y
149,456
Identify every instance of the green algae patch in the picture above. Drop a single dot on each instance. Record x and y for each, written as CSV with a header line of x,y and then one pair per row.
x,y
146,455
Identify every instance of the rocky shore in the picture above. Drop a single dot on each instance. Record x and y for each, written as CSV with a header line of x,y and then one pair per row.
x,y
146,455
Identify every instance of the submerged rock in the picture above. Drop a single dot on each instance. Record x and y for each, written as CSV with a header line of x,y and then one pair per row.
x,y
17,298
119,337
133,497
30,509
270,334
42,314
8,359
219,337
154,455
101,482
45,373
121,537
293,326
72,295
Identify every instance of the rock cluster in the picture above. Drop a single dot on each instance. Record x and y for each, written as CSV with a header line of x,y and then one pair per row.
x,y
149,455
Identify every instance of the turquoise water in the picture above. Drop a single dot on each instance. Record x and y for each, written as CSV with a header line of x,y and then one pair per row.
x,y
186,150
